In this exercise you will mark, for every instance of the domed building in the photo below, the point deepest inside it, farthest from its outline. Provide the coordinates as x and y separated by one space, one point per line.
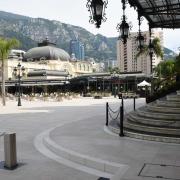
48 62
46 51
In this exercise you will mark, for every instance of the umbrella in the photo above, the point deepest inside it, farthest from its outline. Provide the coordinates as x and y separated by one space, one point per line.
144 83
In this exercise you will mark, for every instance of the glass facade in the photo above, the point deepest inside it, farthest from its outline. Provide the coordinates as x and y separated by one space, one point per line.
77 48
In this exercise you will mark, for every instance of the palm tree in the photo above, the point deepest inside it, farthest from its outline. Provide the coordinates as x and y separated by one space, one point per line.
5 46
156 46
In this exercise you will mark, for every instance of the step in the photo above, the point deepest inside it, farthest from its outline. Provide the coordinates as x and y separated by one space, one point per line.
142 136
157 138
156 115
173 98
178 92
157 108
153 122
151 129
168 103
85 160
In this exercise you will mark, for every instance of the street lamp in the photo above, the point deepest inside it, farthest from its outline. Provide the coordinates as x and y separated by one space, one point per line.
97 11
18 72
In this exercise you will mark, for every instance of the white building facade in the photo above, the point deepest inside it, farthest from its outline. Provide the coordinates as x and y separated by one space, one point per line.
126 54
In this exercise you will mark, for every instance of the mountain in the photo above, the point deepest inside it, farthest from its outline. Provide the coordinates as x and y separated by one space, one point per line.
30 31
169 54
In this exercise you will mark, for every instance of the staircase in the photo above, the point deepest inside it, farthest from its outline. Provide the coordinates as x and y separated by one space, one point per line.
157 121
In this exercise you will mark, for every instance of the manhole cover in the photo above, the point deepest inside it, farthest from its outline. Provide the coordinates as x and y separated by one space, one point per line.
160 171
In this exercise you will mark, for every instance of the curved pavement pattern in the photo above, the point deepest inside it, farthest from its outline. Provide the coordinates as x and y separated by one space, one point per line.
76 160
71 133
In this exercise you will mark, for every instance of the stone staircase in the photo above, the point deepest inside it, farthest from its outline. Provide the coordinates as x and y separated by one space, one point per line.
157 121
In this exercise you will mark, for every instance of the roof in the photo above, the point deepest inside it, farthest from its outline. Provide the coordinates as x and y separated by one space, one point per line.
159 13
46 53
43 72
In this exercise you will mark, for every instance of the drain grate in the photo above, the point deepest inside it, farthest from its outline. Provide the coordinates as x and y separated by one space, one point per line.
160 171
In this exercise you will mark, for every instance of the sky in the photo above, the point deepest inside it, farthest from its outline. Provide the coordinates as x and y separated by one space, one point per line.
75 12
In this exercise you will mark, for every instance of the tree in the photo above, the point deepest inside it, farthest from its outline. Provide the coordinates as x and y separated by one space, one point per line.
177 68
165 69
177 64
156 46
114 70
5 46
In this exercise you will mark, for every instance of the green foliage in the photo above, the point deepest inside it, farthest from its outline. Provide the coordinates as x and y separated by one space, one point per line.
165 69
172 86
142 51
157 49
115 70
6 45
177 65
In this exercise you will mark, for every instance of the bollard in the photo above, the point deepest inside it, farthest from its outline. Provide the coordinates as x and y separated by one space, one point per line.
107 116
10 156
121 133
134 103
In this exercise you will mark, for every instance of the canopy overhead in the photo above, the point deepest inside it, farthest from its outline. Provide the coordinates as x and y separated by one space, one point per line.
159 13
143 83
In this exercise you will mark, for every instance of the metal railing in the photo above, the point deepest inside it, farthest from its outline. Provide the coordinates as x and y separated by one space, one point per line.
113 115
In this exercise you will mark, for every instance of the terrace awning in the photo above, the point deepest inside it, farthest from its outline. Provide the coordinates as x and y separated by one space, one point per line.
159 13
144 83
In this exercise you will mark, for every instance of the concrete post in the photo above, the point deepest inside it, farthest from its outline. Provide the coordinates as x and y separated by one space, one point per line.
10 156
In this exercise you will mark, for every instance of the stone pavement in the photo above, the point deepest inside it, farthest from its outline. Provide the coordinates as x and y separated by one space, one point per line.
68 140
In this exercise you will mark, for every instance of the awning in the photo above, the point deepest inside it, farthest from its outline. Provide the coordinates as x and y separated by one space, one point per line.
159 13
144 83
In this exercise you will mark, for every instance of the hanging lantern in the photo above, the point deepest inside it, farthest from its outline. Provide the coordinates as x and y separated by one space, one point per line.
140 39
97 11
151 48
123 27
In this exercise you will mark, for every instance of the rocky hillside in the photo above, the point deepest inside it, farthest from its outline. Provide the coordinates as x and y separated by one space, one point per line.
32 30
169 54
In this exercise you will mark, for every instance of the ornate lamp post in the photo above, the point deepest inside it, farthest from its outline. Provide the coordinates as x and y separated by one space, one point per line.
123 27
18 71
97 11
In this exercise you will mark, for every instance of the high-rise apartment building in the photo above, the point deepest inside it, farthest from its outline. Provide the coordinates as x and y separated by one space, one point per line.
77 49
126 54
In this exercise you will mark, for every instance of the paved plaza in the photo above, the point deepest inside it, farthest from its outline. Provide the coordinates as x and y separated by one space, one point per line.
68 141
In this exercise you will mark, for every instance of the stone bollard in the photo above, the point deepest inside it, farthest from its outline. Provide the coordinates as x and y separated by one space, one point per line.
10 156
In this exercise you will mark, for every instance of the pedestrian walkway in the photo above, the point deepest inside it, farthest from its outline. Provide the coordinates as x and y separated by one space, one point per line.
87 140
68 140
